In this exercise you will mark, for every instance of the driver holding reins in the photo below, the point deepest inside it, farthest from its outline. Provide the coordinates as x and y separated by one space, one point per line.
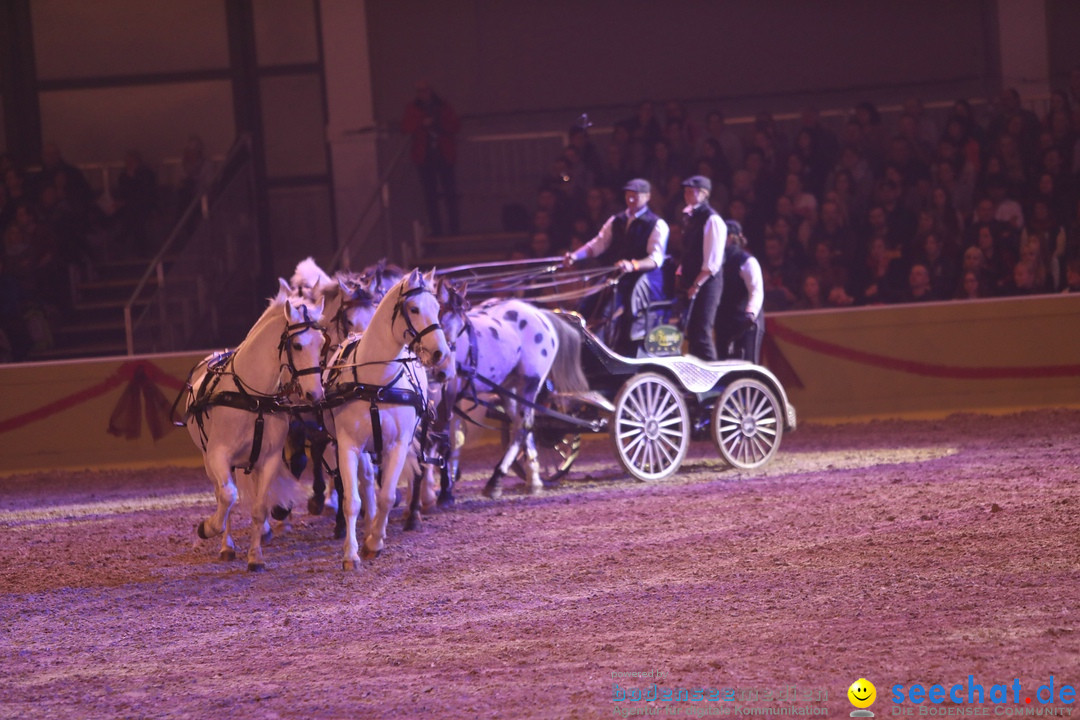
634 241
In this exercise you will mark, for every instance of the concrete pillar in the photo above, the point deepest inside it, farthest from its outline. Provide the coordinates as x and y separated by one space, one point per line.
350 128
1025 57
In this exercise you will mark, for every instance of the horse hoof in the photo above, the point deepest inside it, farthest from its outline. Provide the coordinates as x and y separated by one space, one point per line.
369 554
256 566
413 521
201 531
492 491
536 489
445 499
227 555
397 496
315 506
279 513
267 537
351 564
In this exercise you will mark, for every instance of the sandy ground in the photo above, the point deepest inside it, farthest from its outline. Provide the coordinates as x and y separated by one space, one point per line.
902 552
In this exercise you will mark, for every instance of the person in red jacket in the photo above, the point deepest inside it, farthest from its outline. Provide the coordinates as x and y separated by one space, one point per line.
434 126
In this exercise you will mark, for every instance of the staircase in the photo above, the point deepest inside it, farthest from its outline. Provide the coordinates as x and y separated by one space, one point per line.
95 325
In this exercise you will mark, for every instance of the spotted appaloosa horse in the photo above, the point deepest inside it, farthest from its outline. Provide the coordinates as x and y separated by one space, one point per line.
510 348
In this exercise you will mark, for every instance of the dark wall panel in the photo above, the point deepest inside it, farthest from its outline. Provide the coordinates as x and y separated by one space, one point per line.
495 57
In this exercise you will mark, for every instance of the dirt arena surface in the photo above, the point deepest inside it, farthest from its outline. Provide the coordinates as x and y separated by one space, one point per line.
902 552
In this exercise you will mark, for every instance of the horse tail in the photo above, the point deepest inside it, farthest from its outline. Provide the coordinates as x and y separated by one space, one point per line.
284 491
567 374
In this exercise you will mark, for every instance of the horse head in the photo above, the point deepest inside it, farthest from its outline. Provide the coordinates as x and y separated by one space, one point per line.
454 309
419 308
302 344
381 276
358 304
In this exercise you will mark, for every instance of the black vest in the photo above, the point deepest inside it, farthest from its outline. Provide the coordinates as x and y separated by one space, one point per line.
629 243
735 296
693 251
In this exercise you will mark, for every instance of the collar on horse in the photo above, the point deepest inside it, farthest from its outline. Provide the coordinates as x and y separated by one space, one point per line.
219 365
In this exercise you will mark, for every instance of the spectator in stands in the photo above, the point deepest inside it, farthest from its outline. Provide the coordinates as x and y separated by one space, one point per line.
946 218
136 200
732 147
939 265
1021 281
811 296
780 277
578 137
12 306
635 242
832 230
879 278
1072 276
77 190
14 194
645 132
434 126
197 174
1044 230
995 265
971 286
918 285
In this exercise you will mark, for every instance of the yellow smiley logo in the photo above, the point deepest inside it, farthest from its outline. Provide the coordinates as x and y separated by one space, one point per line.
862 693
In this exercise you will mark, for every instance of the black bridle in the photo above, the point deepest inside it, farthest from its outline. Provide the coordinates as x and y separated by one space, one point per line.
290 333
416 336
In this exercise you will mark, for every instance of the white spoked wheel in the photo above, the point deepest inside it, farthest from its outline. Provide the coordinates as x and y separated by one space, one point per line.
747 424
651 429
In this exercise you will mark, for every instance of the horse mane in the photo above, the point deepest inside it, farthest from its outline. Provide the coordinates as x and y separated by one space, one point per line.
309 279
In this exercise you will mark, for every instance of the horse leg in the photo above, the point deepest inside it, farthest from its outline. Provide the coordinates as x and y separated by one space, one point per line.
393 463
451 469
348 461
368 494
532 463
260 523
339 509
492 489
318 485
413 518
226 494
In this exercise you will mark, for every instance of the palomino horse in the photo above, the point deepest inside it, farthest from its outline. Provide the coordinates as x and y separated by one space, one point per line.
378 396
510 348
236 410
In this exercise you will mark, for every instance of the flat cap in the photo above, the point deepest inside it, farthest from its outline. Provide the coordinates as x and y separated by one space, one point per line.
638 185
699 182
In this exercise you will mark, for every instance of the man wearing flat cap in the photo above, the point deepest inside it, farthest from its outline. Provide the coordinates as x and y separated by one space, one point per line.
634 241
699 275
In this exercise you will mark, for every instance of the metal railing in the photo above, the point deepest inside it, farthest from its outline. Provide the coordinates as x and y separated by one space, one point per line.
204 277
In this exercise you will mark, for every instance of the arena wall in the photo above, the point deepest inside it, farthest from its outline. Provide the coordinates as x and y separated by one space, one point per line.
928 360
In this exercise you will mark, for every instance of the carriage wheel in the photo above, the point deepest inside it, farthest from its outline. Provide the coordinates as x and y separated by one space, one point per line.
651 429
747 424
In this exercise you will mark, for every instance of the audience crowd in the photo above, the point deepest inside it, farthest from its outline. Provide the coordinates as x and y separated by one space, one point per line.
985 205
54 226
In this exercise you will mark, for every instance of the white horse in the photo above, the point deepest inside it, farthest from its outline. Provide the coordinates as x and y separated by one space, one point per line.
351 299
377 395
510 348
236 412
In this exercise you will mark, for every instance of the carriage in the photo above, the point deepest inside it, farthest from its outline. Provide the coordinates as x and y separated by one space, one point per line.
651 405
